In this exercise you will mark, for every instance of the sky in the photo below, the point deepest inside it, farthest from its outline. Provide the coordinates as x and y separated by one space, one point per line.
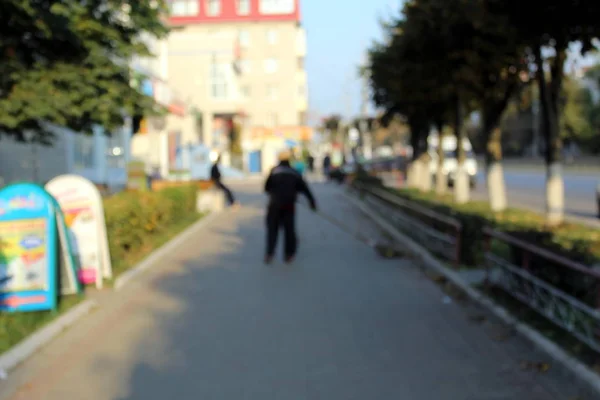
338 35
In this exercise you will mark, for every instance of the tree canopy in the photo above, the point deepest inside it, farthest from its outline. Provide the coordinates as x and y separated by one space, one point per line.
442 56
66 62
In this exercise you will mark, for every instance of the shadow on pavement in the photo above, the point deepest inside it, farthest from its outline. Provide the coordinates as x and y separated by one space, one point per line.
215 323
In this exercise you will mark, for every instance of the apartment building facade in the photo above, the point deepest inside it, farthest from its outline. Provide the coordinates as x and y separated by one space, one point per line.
240 62
152 141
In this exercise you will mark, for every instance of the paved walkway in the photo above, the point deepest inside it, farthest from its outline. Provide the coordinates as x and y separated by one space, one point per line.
212 322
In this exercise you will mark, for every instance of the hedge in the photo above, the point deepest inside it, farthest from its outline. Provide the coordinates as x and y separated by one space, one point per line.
574 241
136 223
133 219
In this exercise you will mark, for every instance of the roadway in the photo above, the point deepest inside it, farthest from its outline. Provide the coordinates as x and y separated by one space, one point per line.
526 189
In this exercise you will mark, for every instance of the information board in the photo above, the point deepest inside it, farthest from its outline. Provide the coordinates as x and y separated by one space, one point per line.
81 204
67 271
28 245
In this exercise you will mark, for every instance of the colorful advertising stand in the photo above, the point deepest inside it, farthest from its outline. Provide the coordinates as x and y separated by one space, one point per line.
30 277
81 204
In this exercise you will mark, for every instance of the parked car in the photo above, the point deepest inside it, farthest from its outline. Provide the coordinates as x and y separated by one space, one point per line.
450 163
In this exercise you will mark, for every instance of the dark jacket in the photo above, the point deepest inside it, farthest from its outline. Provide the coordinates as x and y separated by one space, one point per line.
215 174
283 185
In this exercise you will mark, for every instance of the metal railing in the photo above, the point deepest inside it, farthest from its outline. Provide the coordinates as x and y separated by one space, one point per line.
524 284
446 242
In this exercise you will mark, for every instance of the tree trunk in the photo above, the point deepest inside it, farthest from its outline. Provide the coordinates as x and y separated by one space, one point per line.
413 173
426 182
494 171
549 97
441 180
461 177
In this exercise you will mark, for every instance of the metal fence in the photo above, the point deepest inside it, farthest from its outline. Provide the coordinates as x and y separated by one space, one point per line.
524 284
443 239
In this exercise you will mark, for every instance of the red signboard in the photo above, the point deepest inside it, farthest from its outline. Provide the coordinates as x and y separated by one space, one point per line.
228 12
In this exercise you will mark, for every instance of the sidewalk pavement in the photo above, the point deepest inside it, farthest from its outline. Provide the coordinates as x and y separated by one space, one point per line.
212 322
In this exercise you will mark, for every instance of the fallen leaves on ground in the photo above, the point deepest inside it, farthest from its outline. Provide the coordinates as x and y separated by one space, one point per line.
477 318
503 335
438 278
541 367
455 292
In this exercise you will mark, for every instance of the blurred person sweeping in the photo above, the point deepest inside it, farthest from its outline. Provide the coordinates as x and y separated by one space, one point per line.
283 185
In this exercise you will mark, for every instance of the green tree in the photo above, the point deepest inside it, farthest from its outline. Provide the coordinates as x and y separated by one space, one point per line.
67 63
425 72
575 121
553 24
502 72
399 84
331 125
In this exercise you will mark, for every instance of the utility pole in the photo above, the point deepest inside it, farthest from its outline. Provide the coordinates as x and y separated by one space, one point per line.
366 141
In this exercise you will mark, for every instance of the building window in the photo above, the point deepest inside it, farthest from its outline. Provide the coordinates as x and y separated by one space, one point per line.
271 66
243 7
272 36
245 92
219 85
274 119
302 91
214 7
244 38
270 7
301 63
184 8
272 93
245 66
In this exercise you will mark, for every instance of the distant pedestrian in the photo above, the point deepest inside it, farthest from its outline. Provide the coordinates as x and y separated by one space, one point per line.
327 165
311 163
215 176
283 186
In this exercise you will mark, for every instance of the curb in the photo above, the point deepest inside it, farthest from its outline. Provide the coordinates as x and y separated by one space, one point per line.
166 248
28 346
577 368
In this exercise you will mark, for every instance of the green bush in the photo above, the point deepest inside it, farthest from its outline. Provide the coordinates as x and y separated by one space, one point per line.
132 218
573 241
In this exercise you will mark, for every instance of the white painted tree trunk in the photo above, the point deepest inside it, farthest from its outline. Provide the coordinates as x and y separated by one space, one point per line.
417 174
555 195
426 183
461 185
441 181
496 186
411 180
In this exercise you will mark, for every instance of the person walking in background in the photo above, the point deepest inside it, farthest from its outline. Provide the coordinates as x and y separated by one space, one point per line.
283 185
310 160
327 165
215 176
